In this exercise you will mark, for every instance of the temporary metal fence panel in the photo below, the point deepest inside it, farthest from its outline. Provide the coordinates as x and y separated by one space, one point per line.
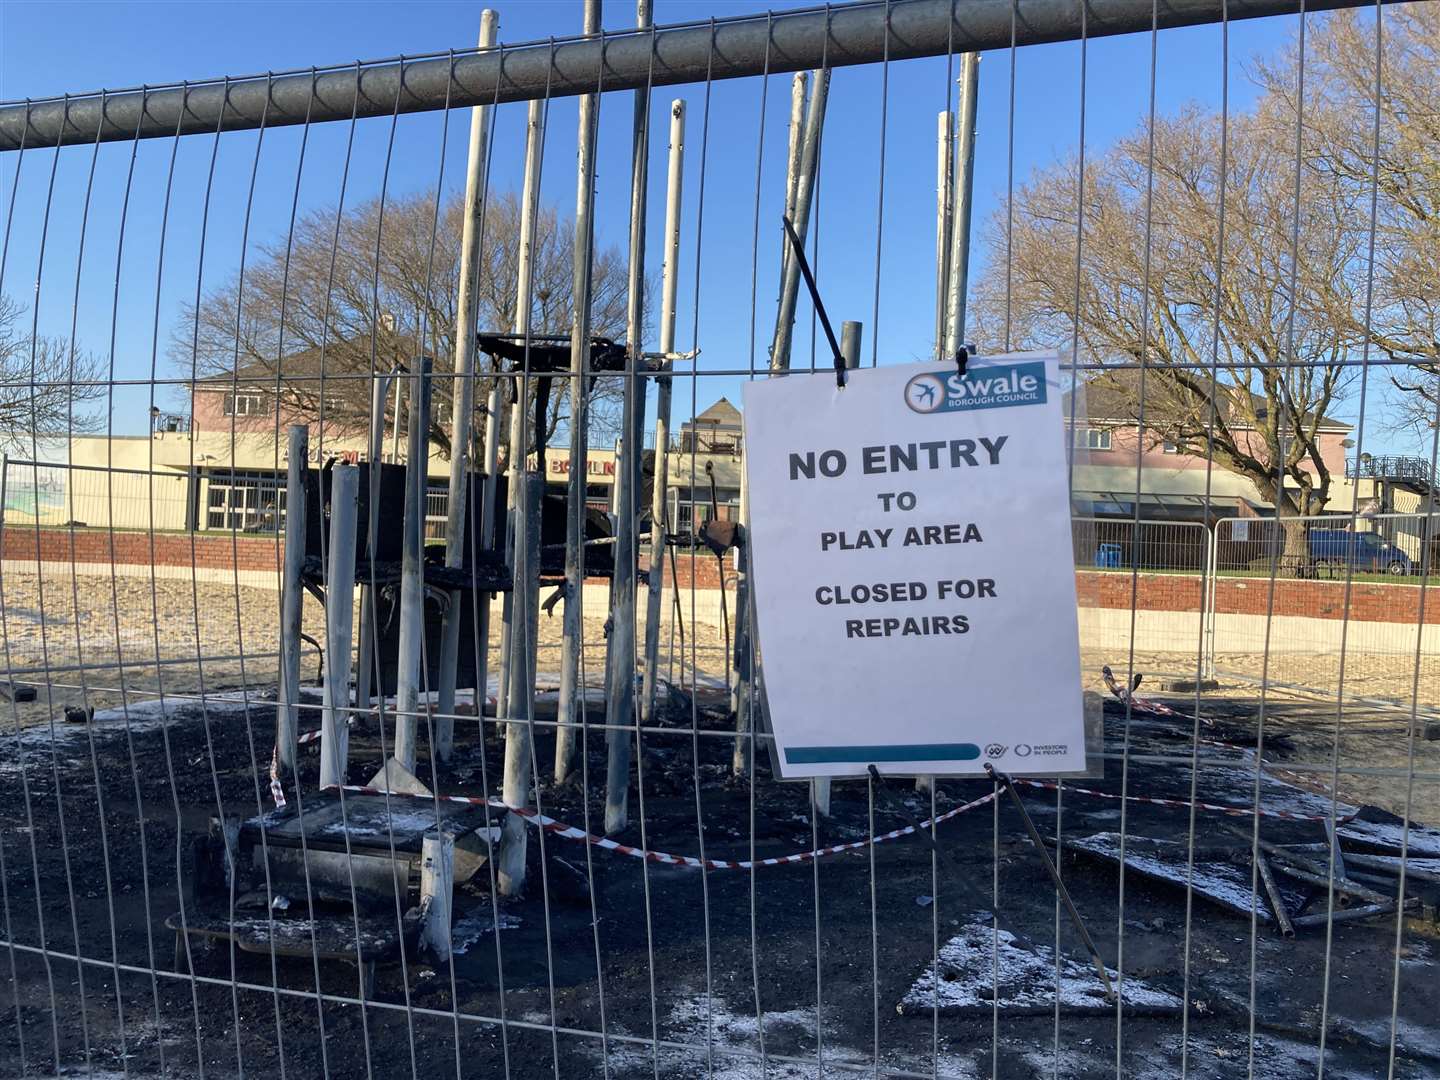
1142 588
1325 602
561 850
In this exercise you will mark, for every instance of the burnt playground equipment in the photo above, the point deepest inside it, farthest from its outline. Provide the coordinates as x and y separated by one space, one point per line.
363 878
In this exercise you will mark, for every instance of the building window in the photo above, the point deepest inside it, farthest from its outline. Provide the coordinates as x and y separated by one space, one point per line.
692 516
437 510
1092 438
1168 447
246 403
245 501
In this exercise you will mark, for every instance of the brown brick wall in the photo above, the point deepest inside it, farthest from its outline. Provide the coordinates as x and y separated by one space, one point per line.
1369 601
219 551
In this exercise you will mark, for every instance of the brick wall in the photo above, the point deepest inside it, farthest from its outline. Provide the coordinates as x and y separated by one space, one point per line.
1369 601
220 551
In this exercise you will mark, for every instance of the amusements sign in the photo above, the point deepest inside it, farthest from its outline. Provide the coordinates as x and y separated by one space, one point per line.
913 571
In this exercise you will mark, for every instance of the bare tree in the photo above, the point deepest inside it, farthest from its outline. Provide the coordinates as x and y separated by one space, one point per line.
44 385
369 293
1380 136
1246 383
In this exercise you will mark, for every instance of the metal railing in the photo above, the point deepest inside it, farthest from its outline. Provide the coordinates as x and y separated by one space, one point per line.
1390 467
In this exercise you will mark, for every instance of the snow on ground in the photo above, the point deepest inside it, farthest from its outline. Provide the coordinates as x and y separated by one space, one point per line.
724 1044
137 717
476 924
1220 882
1026 978
1423 842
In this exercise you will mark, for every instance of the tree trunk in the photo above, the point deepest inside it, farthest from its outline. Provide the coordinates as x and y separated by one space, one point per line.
1295 557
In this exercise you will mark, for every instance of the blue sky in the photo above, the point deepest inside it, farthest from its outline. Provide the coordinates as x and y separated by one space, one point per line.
55 47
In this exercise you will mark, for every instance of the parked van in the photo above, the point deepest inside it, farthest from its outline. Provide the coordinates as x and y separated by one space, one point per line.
1335 549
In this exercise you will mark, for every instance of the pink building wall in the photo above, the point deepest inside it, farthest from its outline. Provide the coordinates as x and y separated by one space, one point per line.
1127 447
208 417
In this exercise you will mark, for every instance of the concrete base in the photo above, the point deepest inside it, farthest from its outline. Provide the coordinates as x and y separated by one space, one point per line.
1186 686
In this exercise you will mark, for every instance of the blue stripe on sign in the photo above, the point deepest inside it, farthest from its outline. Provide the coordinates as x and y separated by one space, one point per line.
820 755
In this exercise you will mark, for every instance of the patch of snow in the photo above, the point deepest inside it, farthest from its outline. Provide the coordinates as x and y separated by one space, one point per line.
1223 883
1423 842
402 822
723 1043
966 978
475 925
146 714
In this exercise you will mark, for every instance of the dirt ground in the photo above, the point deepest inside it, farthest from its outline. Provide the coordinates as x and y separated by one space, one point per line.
712 951
616 966
101 637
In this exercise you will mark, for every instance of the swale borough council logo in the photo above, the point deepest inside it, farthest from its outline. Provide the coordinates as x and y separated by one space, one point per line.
925 393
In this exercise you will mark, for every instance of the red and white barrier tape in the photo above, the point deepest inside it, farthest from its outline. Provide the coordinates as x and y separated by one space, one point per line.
570 832
1236 811
277 791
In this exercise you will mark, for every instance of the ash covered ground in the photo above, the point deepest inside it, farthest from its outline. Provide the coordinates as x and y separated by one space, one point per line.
805 970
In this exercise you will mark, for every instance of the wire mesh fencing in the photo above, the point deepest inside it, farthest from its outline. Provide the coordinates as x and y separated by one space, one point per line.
1315 602
381 688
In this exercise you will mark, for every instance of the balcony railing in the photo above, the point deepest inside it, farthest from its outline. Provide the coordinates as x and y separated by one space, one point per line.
1390 467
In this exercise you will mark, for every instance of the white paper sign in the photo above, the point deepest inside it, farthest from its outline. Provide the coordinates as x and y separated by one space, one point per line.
913 571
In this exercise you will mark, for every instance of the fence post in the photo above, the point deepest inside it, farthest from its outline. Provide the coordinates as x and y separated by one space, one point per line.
339 625
804 186
620 654
800 219
850 334
463 406
437 886
660 480
792 160
1207 651
412 586
379 391
572 639
517 673
518 728
292 598
963 179
517 466
944 202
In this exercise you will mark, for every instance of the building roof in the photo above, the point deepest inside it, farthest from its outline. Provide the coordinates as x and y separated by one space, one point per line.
1111 396
721 414
344 356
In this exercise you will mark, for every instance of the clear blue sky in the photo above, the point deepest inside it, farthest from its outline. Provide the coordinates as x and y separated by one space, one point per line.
54 47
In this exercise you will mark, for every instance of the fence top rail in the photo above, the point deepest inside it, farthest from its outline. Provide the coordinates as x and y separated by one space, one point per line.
118 470
1337 520
840 35
1121 522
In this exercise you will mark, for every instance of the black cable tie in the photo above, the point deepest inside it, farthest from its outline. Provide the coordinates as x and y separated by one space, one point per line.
962 359
799 250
